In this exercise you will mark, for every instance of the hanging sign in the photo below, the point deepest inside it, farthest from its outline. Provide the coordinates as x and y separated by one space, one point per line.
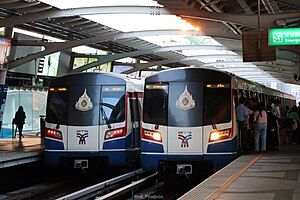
284 36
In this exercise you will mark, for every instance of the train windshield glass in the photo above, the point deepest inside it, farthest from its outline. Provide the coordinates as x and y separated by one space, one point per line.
84 105
156 104
185 104
217 103
57 106
112 105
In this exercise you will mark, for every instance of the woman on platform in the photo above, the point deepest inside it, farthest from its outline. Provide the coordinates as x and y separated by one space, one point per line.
20 120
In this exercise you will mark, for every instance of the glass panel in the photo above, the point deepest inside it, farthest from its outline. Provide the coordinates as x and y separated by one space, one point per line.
217 105
185 104
84 105
112 104
39 107
156 104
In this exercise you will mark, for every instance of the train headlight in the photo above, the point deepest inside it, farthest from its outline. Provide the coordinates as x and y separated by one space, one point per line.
151 135
217 135
115 133
52 133
157 136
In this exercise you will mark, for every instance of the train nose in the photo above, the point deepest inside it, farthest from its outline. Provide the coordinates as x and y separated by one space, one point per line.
184 169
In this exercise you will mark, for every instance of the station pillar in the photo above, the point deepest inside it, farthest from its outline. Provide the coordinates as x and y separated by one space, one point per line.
8 33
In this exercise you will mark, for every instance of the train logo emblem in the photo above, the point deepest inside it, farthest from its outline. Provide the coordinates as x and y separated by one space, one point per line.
185 101
184 136
84 103
82 134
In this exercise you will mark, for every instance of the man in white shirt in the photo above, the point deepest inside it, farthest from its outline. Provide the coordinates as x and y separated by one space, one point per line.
242 115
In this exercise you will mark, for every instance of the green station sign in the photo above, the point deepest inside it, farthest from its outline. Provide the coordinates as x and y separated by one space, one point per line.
284 36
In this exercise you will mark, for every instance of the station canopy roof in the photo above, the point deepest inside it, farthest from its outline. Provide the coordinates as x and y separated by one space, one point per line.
167 33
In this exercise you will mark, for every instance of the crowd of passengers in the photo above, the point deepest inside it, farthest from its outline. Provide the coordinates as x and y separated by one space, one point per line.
259 126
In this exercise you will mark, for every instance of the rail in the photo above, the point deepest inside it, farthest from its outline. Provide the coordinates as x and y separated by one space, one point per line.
126 189
92 190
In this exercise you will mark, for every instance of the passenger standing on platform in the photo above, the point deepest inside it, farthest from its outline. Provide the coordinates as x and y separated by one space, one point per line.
20 120
243 113
2 112
293 117
271 129
260 128
276 112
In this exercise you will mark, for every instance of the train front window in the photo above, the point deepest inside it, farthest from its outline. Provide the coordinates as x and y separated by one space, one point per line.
217 103
112 105
84 105
185 104
156 104
56 111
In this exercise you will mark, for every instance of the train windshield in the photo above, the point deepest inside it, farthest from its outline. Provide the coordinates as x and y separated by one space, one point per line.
57 105
84 105
217 103
112 105
185 104
156 104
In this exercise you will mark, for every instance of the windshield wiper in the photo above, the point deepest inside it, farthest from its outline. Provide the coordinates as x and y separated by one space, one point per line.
105 116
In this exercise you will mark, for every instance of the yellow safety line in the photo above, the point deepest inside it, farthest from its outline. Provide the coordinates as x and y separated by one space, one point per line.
221 189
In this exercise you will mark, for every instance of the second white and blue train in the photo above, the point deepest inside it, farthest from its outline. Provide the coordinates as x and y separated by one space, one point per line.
189 118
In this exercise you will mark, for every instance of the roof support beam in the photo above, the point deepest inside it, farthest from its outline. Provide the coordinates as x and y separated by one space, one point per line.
108 58
245 6
242 19
151 10
231 26
7 1
58 46
141 66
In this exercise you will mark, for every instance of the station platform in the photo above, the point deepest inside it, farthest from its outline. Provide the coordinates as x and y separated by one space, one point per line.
16 152
271 175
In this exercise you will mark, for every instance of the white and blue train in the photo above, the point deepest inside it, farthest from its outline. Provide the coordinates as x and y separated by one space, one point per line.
93 118
189 118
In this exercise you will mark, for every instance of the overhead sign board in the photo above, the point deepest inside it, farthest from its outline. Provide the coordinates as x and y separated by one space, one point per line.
284 36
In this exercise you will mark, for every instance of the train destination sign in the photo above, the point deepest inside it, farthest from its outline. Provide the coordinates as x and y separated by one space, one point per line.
284 36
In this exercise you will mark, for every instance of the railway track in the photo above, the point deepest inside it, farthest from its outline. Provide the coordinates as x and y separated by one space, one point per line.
112 188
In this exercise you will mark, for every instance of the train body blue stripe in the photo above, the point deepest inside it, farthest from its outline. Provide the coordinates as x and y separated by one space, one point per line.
53 144
150 161
151 147
227 146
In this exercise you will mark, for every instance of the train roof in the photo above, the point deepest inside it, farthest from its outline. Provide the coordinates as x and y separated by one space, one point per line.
179 74
99 78
256 87
183 73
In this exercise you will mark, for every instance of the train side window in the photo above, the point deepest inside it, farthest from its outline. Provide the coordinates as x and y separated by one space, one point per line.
217 105
156 104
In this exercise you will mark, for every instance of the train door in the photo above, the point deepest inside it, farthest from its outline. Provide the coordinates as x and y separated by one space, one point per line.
112 108
135 114
185 116
83 118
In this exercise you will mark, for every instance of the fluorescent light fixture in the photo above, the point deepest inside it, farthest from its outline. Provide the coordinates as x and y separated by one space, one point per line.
66 4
